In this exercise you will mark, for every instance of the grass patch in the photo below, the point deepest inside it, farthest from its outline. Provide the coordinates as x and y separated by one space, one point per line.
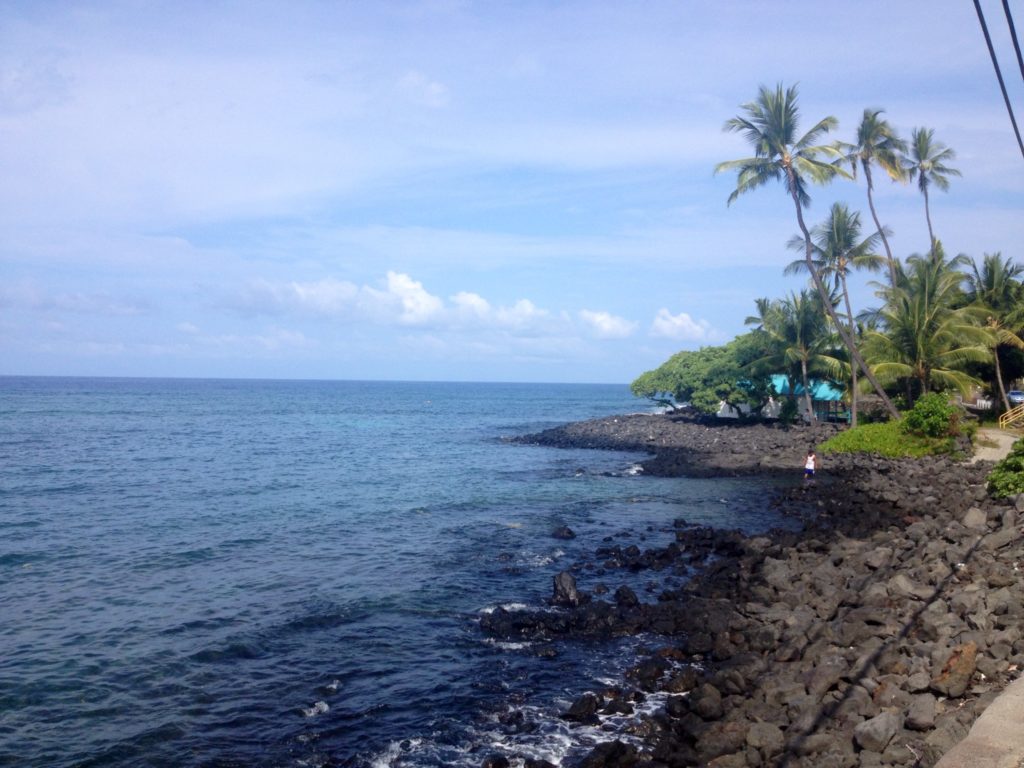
888 439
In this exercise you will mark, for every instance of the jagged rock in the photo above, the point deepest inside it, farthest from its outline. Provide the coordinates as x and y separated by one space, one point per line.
706 701
975 519
721 738
565 592
611 754
921 713
626 597
766 737
876 733
955 675
584 709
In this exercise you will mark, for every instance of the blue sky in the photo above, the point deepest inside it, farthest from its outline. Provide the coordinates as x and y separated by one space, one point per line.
443 190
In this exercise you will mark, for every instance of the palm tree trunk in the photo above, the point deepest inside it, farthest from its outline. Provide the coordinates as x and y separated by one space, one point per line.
807 392
853 368
928 216
826 301
878 225
999 378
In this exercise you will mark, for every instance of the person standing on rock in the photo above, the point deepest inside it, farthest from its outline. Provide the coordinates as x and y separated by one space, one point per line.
810 465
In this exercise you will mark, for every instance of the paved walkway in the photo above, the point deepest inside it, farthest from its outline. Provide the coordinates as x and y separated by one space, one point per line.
1000 442
996 740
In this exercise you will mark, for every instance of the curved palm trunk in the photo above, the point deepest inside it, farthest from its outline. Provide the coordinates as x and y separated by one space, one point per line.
853 368
816 278
807 391
928 217
878 225
999 378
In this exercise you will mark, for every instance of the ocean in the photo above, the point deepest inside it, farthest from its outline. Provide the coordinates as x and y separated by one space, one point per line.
291 573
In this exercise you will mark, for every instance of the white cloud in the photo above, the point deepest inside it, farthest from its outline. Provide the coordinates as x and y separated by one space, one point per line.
322 297
521 315
418 306
607 326
681 326
471 305
328 296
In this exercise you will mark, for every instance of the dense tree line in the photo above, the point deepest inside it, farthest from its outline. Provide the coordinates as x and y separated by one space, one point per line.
942 324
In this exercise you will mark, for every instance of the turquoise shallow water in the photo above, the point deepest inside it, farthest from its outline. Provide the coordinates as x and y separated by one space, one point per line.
258 573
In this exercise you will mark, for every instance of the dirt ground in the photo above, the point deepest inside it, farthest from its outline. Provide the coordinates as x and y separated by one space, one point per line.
993 444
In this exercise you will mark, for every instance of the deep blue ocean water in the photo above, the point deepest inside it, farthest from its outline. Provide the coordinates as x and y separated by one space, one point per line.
286 573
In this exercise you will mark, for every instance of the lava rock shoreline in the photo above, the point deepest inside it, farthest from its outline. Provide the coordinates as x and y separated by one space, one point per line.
684 445
875 636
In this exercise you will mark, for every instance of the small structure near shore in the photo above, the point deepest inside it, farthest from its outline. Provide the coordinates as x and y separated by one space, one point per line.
826 400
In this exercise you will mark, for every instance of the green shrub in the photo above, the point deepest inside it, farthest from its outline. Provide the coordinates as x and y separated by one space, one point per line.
933 416
885 439
1007 477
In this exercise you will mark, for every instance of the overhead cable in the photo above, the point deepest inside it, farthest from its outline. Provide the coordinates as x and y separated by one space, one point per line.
999 75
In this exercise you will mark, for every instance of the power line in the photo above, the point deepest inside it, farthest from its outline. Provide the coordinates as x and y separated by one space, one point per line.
1013 36
999 74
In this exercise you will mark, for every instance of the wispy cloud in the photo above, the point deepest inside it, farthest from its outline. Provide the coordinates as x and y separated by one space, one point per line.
680 327
421 90
606 325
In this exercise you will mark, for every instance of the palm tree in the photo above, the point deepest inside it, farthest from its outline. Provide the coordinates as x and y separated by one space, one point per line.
770 125
799 340
877 144
995 287
927 164
924 333
838 249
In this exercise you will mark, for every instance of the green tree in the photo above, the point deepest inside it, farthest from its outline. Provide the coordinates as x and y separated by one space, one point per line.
994 287
924 334
708 377
838 249
770 125
927 163
877 144
799 341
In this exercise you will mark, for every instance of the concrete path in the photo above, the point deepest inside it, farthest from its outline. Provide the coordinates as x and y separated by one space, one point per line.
996 740
1001 439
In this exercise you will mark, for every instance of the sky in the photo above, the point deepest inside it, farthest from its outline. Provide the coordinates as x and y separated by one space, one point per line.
446 190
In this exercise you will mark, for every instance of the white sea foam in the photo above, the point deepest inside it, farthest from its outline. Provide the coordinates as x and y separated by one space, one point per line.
542 560
506 606
317 709
505 645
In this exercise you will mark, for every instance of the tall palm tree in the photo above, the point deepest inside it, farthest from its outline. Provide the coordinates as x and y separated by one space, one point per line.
800 342
769 123
924 333
838 249
927 164
877 144
995 287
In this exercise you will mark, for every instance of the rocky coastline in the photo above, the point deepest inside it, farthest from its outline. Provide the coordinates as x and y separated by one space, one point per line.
875 636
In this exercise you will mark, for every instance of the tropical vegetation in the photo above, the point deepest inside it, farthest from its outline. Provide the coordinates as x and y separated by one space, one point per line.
1007 476
942 325
932 426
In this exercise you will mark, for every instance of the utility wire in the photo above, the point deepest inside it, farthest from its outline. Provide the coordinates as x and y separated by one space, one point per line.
999 74
1013 35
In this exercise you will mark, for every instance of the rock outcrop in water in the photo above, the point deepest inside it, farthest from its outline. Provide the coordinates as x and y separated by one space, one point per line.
874 637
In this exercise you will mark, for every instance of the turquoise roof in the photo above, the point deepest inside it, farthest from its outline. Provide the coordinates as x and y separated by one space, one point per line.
820 390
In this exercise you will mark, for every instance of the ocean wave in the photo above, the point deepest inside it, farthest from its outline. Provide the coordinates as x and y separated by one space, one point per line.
318 708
